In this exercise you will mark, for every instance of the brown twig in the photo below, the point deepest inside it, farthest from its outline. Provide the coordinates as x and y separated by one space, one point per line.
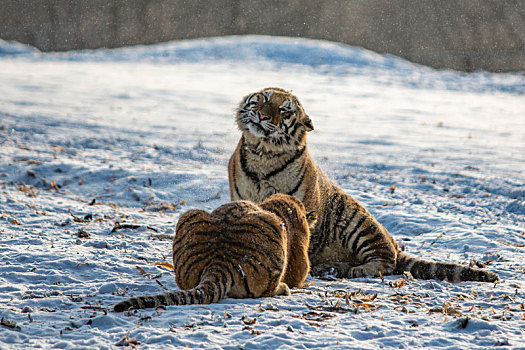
132 227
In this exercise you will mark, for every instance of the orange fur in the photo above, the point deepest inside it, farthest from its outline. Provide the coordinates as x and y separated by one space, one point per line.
240 250
272 157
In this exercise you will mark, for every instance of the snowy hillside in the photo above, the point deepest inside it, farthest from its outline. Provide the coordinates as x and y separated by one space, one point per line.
136 136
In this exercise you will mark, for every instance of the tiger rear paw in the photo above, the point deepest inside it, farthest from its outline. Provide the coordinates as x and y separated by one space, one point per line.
331 271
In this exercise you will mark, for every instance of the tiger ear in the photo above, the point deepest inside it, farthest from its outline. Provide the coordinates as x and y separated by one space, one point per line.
307 122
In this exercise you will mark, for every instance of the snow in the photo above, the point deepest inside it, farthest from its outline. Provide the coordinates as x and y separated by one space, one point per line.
139 135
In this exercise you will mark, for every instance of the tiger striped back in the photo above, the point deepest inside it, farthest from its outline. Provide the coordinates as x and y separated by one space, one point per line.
240 250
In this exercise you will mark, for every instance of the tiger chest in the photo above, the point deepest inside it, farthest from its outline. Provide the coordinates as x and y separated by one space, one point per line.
257 185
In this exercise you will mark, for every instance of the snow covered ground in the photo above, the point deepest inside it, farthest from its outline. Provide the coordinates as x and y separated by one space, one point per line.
136 136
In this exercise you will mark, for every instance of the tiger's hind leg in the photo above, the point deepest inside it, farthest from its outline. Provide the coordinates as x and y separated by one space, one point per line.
371 269
341 269
336 269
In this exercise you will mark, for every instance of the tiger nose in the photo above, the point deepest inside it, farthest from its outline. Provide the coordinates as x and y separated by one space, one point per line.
264 117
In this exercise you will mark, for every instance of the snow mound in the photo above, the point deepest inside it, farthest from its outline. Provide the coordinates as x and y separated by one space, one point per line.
267 52
12 48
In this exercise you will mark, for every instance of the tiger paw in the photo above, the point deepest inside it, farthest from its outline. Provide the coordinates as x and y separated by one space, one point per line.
331 271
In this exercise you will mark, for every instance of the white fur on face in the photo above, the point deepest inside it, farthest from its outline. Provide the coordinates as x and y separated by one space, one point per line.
266 95
288 106
255 130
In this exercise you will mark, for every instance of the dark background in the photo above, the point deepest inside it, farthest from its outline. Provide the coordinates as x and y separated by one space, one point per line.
465 35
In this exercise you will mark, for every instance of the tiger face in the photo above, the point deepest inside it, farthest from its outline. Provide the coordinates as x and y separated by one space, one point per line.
275 116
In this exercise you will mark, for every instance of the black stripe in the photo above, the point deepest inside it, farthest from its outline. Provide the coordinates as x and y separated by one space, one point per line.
182 234
300 182
173 298
234 180
258 249
244 165
240 256
369 257
471 274
348 221
354 230
217 284
252 225
256 178
420 268
296 156
295 128
180 263
249 98
210 292
223 282
218 269
181 224
361 234
324 228
217 234
341 206
274 229
217 257
280 208
370 229
181 298
272 279
122 306
200 295
286 127
329 218
243 232
228 269
381 251
232 255
243 276
192 298
318 237
188 266
249 262
292 123
162 299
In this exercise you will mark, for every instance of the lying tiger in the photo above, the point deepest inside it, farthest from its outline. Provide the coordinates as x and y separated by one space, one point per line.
240 250
272 156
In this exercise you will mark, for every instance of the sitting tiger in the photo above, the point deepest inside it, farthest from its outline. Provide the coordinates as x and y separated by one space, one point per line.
240 250
272 156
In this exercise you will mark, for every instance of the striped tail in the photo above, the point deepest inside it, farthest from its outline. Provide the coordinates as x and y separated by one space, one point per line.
214 286
423 269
